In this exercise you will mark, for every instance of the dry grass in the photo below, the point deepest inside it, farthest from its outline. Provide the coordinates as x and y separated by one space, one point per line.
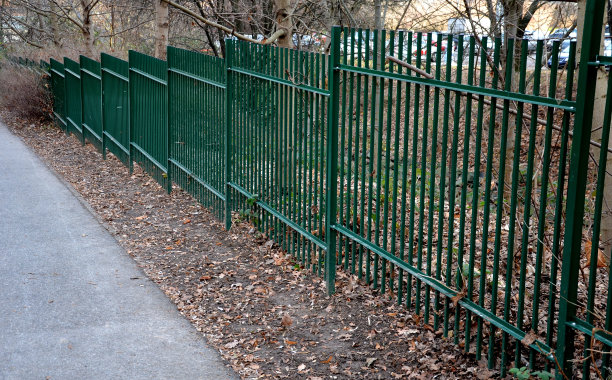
25 92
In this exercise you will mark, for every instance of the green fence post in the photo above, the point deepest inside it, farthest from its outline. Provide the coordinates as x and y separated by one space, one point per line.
332 160
168 144
131 114
579 157
229 49
103 109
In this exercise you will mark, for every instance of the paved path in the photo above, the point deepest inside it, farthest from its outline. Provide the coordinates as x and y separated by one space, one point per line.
73 304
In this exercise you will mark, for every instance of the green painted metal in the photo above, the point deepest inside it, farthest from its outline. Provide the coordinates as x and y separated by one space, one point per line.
578 178
148 97
196 122
115 107
432 212
446 187
91 90
72 98
58 89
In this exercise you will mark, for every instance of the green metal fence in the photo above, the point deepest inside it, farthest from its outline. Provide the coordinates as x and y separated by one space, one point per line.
115 107
455 175
58 88
196 122
149 115
72 98
91 100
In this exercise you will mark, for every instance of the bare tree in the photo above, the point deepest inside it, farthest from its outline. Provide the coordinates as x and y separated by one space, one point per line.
161 28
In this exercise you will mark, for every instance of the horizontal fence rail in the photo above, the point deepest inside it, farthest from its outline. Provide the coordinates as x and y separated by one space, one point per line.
440 170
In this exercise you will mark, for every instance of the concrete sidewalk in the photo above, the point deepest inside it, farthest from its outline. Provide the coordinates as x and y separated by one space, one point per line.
73 304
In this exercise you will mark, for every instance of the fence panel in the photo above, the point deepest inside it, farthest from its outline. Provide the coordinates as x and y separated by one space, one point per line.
149 115
439 200
279 107
72 101
116 107
91 88
58 89
196 122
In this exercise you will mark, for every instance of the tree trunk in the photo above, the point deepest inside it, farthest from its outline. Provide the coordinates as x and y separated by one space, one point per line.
161 29
598 114
513 10
284 20
379 23
86 30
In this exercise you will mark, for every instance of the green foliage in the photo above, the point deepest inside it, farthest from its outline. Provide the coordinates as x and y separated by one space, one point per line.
524 373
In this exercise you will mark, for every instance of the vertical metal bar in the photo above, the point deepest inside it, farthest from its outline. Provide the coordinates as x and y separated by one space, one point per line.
553 291
351 155
500 208
364 141
487 207
229 50
514 198
450 249
442 189
378 121
527 197
168 130
587 81
475 200
433 165
413 172
463 201
404 182
387 201
332 160
396 158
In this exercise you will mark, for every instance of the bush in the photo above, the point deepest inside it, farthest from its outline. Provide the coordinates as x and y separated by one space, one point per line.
25 93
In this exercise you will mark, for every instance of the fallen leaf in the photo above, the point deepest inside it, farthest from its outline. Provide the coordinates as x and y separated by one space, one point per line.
328 360
286 321
301 367
370 361
602 260
529 338
231 344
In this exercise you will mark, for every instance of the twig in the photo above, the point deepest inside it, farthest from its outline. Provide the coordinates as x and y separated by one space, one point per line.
275 36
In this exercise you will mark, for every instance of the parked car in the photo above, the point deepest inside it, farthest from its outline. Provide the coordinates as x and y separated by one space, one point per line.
560 34
532 41
415 50
564 52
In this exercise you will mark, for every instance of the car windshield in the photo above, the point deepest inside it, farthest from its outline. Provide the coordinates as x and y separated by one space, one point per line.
558 33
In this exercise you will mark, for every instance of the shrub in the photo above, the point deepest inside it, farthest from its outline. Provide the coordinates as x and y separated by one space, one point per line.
25 92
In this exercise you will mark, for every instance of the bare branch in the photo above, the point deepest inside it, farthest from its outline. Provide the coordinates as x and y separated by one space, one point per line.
227 30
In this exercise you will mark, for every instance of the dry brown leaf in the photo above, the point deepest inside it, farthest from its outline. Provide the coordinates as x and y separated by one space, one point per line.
328 360
458 297
286 321
529 338
602 260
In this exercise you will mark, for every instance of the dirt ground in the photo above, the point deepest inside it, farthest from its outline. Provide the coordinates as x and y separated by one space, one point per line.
267 318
